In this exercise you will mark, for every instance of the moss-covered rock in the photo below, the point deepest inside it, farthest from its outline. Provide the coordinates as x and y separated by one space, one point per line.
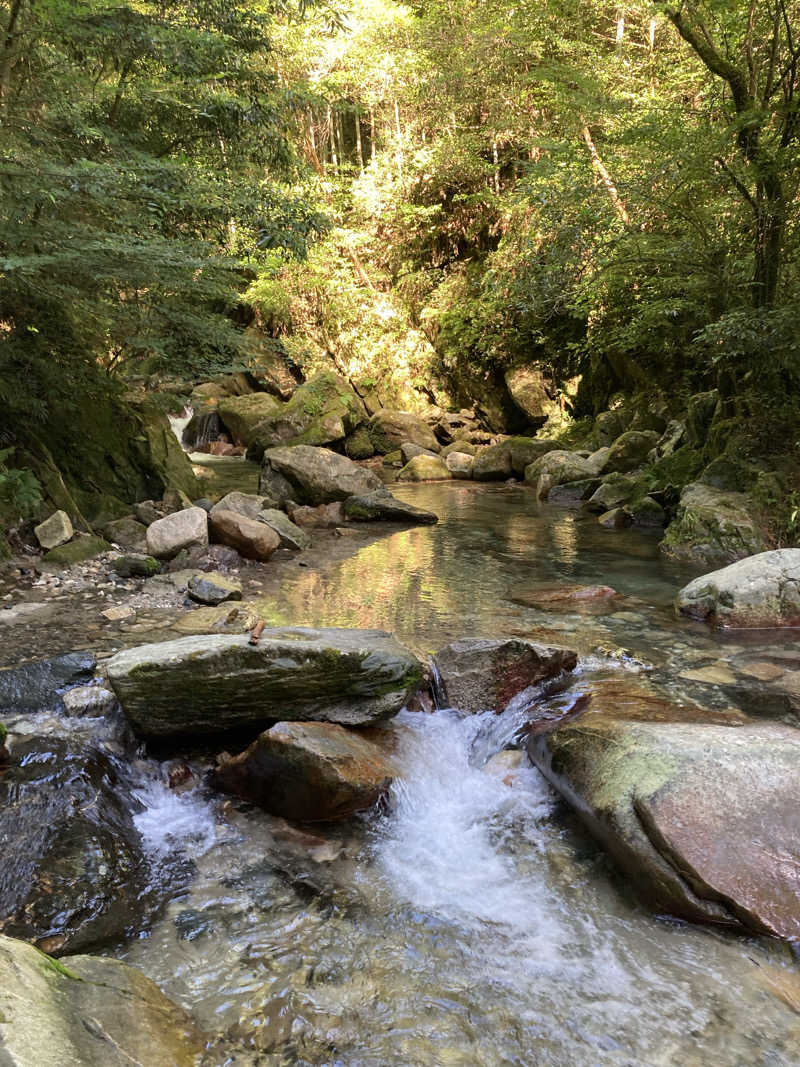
630 450
82 548
205 685
713 526
88 1010
323 411
389 429
358 444
241 414
424 468
530 391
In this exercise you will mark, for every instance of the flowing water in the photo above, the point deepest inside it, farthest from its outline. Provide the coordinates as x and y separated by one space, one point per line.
471 922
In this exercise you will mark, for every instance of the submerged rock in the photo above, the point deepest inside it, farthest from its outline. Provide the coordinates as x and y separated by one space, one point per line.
713 525
36 686
207 684
317 475
479 674
583 599
93 1011
73 873
183 529
383 506
762 590
309 771
704 817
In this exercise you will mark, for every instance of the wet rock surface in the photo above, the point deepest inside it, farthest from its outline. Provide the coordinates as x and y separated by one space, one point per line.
39 685
204 685
92 1011
381 505
760 591
486 673
310 772
700 810
74 874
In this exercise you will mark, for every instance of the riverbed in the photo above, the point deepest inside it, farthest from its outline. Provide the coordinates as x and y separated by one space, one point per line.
470 921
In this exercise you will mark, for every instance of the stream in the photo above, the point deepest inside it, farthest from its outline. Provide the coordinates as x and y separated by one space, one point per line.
472 921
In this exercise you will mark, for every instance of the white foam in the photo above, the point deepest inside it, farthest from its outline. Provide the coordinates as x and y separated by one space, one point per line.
174 821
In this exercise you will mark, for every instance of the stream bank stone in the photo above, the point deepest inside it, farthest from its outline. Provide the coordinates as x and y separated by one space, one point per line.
183 529
703 816
384 506
479 674
250 538
55 531
290 534
760 591
317 475
214 588
309 771
714 526
207 684
87 1010
424 467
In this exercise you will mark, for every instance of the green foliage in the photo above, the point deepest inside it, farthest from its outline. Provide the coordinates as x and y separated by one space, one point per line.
20 490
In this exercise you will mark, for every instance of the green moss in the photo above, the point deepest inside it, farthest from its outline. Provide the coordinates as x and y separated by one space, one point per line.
677 470
57 966
77 551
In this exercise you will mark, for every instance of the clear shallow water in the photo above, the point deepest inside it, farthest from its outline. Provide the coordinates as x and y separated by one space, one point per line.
472 922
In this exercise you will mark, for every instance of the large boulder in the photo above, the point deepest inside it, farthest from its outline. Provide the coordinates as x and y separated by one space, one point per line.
87 1010
460 464
382 506
73 873
477 674
508 458
322 411
241 414
389 430
317 475
250 538
207 684
557 468
309 771
530 391
759 591
183 529
703 816
424 468
629 451
713 526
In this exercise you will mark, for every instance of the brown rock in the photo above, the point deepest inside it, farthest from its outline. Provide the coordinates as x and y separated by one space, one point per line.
325 515
251 539
582 599
309 771
482 673
702 811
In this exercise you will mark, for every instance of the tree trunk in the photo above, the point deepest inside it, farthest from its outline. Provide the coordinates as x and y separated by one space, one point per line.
613 193
359 148
770 216
7 53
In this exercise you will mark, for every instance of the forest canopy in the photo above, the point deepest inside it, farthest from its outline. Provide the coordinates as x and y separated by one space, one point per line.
423 194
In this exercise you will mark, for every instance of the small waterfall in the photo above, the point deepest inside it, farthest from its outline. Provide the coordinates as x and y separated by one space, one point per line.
203 428
438 691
